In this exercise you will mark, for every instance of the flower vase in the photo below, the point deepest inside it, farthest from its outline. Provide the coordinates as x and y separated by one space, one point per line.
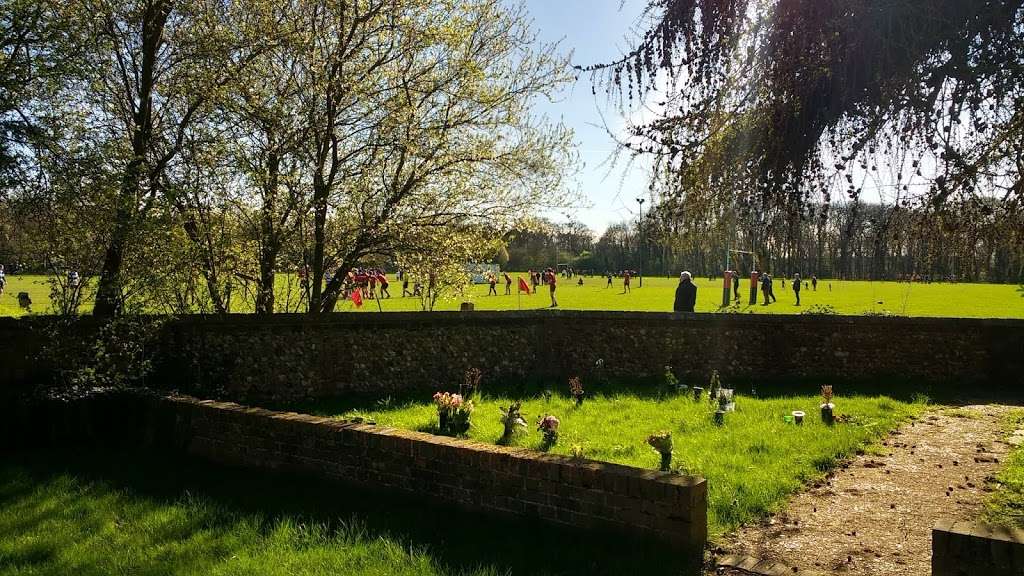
666 462
697 391
826 414
579 399
719 417
443 421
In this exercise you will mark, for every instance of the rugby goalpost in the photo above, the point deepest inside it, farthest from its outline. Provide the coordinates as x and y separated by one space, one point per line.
727 280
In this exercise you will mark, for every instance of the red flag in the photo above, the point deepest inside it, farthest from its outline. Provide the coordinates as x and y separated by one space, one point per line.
357 298
523 286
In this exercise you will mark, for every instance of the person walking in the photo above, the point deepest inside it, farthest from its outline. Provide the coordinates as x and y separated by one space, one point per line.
492 282
382 280
686 294
771 288
796 287
765 289
552 279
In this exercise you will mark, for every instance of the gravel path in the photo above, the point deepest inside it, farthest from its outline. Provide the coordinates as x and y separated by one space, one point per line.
874 516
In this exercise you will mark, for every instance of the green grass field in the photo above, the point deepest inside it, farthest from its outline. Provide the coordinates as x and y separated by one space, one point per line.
90 514
1005 506
752 464
854 298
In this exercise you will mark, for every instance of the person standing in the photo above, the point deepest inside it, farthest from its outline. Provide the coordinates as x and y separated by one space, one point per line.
609 284
552 279
382 279
625 282
814 282
686 294
405 286
736 284
492 282
771 288
765 288
3 280
508 284
796 287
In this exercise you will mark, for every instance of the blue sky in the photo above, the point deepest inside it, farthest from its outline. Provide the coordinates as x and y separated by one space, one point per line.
593 31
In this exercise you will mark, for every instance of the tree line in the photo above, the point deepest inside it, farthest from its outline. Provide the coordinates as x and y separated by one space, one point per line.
184 152
853 240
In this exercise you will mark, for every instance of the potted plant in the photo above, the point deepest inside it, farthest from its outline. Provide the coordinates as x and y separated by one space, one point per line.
512 421
670 384
662 443
470 386
548 425
715 386
576 389
827 407
726 400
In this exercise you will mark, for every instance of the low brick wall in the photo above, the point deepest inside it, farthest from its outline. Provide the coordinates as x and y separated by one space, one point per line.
578 493
973 549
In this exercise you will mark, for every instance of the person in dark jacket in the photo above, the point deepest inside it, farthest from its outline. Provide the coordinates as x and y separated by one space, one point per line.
686 294
796 287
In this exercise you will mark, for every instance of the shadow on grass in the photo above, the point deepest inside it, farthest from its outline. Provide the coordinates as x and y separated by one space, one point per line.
458 542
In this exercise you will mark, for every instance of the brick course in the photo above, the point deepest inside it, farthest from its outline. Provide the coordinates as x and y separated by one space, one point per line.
975 549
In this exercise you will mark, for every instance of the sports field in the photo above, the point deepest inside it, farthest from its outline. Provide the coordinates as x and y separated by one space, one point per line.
844 297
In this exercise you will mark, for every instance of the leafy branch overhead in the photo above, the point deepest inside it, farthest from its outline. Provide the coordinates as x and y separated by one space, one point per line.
771 102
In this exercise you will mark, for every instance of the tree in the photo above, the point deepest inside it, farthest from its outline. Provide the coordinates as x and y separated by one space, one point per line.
456 148
149 69
768 104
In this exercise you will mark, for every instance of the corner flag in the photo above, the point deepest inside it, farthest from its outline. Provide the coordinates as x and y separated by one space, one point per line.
357 298
523 286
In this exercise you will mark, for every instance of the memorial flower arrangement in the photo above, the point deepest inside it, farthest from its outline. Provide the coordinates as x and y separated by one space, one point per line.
548 425
453 413
576 389
662 443
512 421
471 382
827 407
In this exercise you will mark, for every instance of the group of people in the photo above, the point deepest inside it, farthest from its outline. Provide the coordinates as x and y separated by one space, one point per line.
767 285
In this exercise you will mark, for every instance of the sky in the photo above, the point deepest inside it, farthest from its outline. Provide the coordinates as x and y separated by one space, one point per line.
592 31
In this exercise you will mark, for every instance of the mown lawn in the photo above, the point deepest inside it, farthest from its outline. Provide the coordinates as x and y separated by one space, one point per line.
855 298
1005 506
752 464
131 514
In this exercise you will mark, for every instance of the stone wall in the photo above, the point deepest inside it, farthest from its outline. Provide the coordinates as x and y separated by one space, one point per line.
288 357
972 549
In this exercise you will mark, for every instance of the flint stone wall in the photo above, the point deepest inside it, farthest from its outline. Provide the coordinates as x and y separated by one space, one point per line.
291 357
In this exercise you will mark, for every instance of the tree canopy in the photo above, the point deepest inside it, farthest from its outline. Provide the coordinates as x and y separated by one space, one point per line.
785 102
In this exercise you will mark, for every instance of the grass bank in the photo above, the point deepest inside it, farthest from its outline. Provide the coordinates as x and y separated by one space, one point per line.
1005 505
752 463
100 514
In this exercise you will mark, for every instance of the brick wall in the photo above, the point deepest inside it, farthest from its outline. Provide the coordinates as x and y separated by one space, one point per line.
287 357
973 549
577 493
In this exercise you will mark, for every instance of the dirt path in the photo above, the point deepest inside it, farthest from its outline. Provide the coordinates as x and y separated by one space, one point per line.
874 517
